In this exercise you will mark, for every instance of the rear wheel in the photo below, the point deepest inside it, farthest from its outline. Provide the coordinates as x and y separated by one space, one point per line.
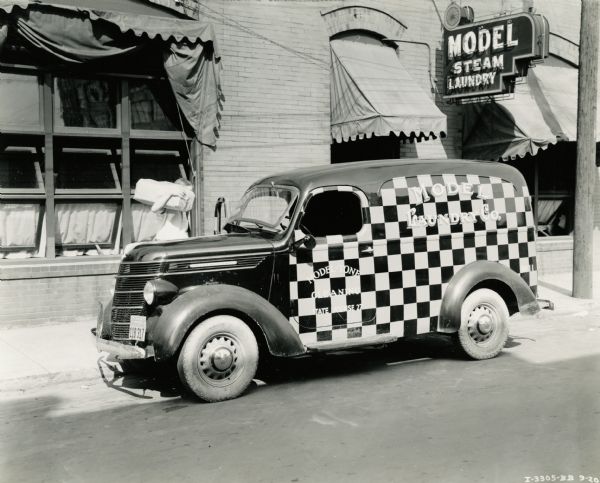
218 359
484 325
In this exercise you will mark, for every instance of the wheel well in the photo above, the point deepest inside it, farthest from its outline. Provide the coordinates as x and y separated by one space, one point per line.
502 289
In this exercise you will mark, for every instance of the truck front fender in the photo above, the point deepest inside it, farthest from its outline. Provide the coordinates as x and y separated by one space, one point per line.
171 323
487 274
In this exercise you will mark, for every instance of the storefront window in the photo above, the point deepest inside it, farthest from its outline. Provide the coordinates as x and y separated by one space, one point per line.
550 177
21 196
150 102
85 103
160 165
19 102
81 169
86 227
21 169
20 225
90 166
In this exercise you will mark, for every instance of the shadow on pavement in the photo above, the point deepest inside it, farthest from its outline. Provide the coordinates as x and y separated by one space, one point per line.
356 361
147 376
383 421
150 376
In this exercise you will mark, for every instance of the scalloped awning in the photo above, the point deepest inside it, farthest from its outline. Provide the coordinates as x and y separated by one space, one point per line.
78 35
373 94
542 111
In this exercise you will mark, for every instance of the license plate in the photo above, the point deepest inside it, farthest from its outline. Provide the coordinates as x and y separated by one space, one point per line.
137 327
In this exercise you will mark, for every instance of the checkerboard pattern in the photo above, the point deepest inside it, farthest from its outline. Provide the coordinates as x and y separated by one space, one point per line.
390 277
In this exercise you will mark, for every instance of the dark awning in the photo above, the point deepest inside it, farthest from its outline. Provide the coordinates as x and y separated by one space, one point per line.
542 111
76 35
373 94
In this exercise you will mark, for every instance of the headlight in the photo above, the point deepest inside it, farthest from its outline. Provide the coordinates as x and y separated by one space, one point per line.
159 291
149 289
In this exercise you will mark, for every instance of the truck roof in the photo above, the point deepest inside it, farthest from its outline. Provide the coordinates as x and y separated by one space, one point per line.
370 175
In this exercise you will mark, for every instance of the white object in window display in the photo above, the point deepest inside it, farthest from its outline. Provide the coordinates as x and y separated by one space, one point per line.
165 195
173 200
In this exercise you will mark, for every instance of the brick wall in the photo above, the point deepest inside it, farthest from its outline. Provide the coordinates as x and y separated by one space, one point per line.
41 292
276 82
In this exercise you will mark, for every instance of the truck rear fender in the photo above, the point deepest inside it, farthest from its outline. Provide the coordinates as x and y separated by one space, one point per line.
174 321
484 274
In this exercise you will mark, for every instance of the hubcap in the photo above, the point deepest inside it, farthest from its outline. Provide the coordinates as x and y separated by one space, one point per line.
222 359
482 323
219 358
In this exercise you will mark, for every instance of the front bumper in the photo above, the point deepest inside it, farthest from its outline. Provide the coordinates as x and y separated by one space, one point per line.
121 351
118 349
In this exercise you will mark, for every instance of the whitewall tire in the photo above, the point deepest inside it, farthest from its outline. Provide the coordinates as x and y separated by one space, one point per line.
219 358
483 328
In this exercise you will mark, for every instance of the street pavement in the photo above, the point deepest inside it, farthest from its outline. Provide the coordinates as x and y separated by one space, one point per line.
413 411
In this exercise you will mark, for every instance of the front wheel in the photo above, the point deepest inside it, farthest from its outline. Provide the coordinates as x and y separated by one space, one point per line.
218 359
483 326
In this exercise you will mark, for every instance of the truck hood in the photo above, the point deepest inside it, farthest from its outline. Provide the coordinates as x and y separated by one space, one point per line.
228 244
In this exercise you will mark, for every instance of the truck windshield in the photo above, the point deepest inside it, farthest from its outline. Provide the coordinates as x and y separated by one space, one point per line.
267 208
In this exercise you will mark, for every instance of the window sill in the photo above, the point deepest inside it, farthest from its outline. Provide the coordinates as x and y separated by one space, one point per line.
554 243
34 268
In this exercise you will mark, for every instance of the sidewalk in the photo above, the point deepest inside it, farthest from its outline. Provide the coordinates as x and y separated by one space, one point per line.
38 356
557 287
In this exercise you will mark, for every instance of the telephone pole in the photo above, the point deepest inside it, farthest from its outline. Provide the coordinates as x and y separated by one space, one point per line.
586 151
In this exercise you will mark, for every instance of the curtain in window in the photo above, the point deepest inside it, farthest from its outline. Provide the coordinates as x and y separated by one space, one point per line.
75 35
146 223
19 224
85 223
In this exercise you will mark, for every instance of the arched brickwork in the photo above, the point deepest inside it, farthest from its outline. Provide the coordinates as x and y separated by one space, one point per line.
362 18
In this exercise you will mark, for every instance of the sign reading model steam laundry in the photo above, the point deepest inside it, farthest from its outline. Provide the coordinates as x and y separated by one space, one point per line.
484 58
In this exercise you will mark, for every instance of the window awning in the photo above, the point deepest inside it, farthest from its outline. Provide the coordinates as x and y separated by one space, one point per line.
78 35
542 111
373 94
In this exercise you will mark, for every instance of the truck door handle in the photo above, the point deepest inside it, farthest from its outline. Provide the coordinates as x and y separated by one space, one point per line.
367 250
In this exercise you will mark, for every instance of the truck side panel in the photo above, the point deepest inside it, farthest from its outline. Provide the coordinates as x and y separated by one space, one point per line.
424 229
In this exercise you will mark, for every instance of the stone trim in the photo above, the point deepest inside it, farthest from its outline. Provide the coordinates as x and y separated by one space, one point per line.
58 268
356 17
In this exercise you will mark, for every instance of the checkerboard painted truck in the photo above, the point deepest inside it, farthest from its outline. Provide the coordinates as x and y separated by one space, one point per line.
327 258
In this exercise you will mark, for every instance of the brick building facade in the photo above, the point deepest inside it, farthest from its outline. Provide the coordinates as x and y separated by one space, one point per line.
276 116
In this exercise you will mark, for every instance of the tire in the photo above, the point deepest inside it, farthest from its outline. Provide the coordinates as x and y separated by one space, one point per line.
484 325
219 358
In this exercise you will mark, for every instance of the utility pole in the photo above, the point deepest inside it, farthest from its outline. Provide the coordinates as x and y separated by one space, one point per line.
586 151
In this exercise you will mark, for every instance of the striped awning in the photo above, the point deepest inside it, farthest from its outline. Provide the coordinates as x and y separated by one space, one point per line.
72 34
542 111
373 94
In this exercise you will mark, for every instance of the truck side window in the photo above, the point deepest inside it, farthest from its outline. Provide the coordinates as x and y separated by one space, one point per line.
333 213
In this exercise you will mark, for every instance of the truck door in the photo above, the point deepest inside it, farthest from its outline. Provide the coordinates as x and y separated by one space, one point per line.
332 285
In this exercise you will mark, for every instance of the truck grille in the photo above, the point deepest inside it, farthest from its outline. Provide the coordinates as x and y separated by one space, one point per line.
128 299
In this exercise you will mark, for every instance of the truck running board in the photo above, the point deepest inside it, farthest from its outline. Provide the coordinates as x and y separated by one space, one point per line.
349 343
